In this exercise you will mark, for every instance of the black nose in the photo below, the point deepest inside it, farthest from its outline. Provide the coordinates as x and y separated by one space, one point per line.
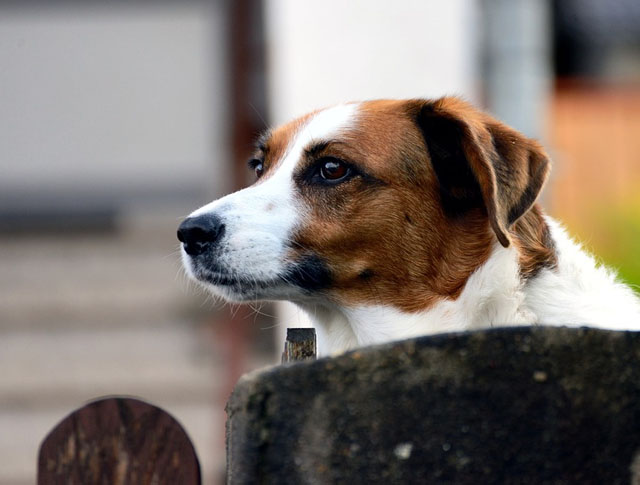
200 233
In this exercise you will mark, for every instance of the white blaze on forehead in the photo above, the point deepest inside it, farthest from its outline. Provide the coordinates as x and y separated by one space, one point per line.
323 125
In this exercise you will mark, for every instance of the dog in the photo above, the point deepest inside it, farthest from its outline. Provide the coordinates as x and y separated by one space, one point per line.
390 219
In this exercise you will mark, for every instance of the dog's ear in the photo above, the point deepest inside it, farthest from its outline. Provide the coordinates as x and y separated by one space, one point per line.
480 162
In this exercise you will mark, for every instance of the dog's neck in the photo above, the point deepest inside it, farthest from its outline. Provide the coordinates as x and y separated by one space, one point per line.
492 296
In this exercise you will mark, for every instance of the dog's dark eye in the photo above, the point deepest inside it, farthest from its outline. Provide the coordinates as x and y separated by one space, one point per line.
257 166
334 170
259 169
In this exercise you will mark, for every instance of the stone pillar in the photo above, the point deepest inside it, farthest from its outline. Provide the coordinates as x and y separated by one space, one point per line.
523 405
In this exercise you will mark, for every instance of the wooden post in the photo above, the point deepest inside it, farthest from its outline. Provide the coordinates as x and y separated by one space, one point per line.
299 345
121 441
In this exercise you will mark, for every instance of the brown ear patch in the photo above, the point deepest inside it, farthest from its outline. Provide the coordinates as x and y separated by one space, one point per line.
477 158
521 167
459 187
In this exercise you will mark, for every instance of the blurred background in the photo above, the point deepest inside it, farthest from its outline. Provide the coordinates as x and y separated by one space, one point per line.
119 118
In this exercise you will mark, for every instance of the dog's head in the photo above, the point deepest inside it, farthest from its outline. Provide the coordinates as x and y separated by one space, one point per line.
381 202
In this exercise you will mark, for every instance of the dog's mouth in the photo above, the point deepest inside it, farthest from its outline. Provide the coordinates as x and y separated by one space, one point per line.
217 278
303 278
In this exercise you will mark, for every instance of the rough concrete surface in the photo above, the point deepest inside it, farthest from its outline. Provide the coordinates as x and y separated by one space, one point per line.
517 405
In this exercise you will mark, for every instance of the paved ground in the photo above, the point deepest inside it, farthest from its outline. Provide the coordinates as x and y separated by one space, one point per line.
84 316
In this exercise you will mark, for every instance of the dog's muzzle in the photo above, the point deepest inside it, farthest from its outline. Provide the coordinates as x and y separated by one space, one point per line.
238 272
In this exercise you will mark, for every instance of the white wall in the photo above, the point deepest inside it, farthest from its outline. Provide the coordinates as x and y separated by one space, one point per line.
325 52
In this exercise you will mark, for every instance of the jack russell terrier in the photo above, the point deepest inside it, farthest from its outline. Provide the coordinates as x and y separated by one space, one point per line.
391 219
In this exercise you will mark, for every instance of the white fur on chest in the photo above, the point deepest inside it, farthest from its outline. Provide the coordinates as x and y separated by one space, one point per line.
576 293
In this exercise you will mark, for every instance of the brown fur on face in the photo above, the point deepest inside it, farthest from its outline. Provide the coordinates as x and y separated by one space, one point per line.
439 183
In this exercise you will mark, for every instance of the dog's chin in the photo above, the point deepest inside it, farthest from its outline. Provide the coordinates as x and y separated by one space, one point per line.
236 290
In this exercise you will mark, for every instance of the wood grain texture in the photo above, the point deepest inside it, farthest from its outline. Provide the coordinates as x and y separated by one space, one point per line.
299 345
118 441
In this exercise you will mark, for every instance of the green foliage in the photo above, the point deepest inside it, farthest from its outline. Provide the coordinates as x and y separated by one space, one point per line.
617 242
